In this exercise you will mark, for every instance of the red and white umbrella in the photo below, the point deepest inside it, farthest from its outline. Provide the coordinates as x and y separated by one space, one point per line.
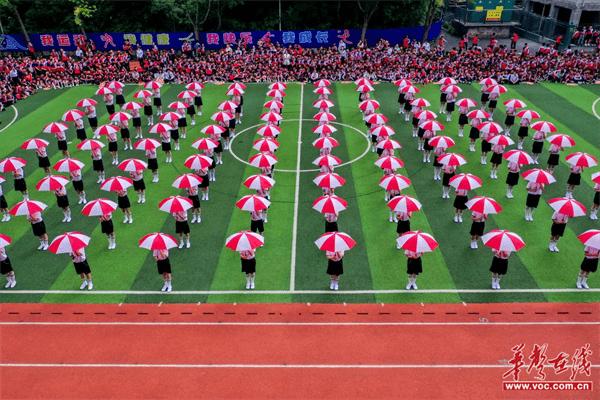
365 88
69 242
383 131
490 128
376 119
324 117
259 182
330 204
244 241
501 140
335 242
68 165
273 105
132 165
55 127
253 202
174 204
451 89
234 91
11 164
153 85
73 115
271 116
484 205
389 144
465 181
90 144
221 116
561 140
514 103
142 94
198 162
329 180
265 144
187 181
503 240
480 114
27 207
466 102
237 85
322 83
120 116
34 144
417 242
326 142
452 159
323 91
114 85
262 160
497 89
5 240
403 82
425 115
328 160
596 177
389 162
187 94
213 130
488 82
104 130
98 208
116 184
51 182
394 182
195 86
538 175
2 180
568 207
369 105
543 126
228 105
404 204
432 126
276 94
205 144
157 241
278 86
420 102
104 91
177 105
590 238
518 157
160 127
446 81
442 141
581 159
410 89
86 102
363 81
324 129
269 130
132 106
146 144
322 103
528 114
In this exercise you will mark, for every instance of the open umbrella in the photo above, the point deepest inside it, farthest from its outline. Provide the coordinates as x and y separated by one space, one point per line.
465 181
376 119
417 242
269 130
276 93
90 144
198 162
581 159
425 115
503 240
518 157
253 202
410 89
11 164
328 160
51 182
169 117
322 83
590 238
262 160
27 207
568 207
237 85
195 86
34 144
389 144
480 114
213 130
403 82
98 208
454 89
326 142
104 91
187 94
368 105
174 204
177 105
116 184
104 130
528 114
153 85
488 82
159 128
330 204
324 129
490 128
420 102
5 240
322 103
561 140
404 204
187 181
132 106
496 89
446 81
514 103
452 159
142 94
363 81
466 102
157 241
441 141
543 126
389 162
120 116
86 102
114 85
596 177
244 241
273 105
69 242
394 182
235 92
538 175
335 242
324 117
221 116
278 86
501 140
55 127
265 144
205 144
68 165
432 126
329 180
484 205
365 88
323 91
146 144
132 165
271 116
259 182
72 115
382 131
227 105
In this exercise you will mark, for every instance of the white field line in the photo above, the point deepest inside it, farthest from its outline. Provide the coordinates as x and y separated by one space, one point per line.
13 120
485 323
296 194
594 108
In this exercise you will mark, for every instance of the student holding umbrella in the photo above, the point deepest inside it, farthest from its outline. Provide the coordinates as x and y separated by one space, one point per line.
403 207
246 243
3 203
564 208
6 268
40 148
462 183
591 240
160 243
255 205
596 201
481 207
502 243
578 162
33 211
536 180
330 206
415 244
73 243
335 244
177 206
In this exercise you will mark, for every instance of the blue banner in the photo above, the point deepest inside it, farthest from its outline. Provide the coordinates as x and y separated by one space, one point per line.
212 40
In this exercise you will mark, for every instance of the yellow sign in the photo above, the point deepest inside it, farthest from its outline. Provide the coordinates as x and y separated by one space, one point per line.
494 15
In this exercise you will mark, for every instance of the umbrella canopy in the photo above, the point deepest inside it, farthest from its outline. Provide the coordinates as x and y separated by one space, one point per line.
86 102
278 86
116 184
324 129
518 157
104 130
490 128
410 89
5 240
484 205
34 144
442 141
582 160
205 144
389 144
590 238
187 94
501 140
403 82
425 115
159 128
27 207
466 102
262 160
568 207
596 177
177 105
132 165
528 114
451 89
328 160
365 88
561 140
322 103
432 126
465 181
259 182
330 204
503 240
329 180
187 181
142 94
389 162
146 144
153 85
213 130
271 116
244 241
369 105
11 164
324 117
227 105
383 131
323 91
174 204
235 92
195 86
266 144
404 204
480 114
253 203
420 102
488 82
198 162
104 91
417 242
98 207
170 117
322 83
538 175
120 117
55 127
221 116
132 106
237 85
325 142
376 119
276 93
543 126
335 242
157 241
269 130
452 159
114 85
68 165
72 115
274 105
90 144
446 81
69 242
514 103
363 81
497 89
51 183
394 182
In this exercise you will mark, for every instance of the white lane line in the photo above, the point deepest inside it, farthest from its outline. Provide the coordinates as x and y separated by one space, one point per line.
339 324
296 194
13 120
594 108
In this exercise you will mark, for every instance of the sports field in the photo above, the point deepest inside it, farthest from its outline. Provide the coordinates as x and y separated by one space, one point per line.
289 267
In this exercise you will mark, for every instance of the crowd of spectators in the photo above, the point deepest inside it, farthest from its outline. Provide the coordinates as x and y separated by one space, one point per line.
23 75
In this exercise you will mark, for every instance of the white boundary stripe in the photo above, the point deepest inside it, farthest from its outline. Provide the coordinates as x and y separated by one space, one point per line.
296 194
13 120
263 292
594 108
339 324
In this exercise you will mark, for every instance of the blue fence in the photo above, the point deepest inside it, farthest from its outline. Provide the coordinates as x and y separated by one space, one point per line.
211 40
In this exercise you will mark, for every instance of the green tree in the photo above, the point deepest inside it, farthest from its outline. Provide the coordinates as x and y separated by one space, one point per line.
433 6
82 9
195 12
367 8
13 6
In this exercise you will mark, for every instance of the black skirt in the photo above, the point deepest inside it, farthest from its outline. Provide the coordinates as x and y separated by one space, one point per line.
6 266
450 107
402 227
463 120
20 185
523 131
113 146
62 145
493 104
205 182
533 200
446 178
78 186
225 134
238 109
485 97
139 185
39 228
512 179
436 163
182 227
232 123
474 133
596 199
407 106
248 266
537 147
486 146
427 146
509 120
163 266
123 202
3 203
82 267
152 164
496 158
43 162
331 226
477 228
107 227
120 99
157 101
137 122
182 122
125 133
81 134
402 98
415 122
414 266
198 101
335 267
553 159
460 202
191 110
98 165
175 134
574 179
219 148
110 109
62 201
443 97
587 265
557 229
499 266
195 200
257 226
147 110
93 122
165 146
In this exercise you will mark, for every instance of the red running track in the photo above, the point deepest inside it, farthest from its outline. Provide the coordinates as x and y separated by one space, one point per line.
283 351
